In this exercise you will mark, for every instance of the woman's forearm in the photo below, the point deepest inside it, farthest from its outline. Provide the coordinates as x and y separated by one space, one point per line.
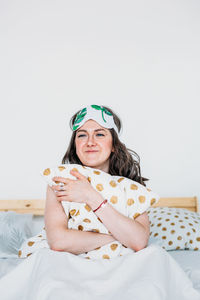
127 231
77 242
61 238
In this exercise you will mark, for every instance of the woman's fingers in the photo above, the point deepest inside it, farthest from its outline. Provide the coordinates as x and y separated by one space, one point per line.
73 189
64 180
59 187
78 175
60 198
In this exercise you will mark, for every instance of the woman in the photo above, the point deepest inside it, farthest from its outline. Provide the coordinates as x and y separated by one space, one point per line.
51 275
94 143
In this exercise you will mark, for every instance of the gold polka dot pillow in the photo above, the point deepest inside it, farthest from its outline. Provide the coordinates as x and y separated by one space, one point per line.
127 196
33 244
138 197
80 216
174 228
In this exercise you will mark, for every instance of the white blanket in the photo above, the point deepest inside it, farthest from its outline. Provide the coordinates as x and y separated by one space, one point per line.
50 275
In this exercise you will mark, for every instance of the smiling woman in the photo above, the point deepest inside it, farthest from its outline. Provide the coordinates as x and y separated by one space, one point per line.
95 143
122 161
99 213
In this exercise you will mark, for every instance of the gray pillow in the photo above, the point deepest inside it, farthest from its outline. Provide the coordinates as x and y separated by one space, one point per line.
15 228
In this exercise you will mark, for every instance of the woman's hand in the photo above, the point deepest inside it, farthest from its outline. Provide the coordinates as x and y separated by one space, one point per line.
73 190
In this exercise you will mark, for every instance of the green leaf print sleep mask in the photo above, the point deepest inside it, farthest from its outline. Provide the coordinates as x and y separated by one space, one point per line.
97 113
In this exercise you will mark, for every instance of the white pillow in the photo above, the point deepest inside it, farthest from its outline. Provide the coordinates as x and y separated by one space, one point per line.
174 228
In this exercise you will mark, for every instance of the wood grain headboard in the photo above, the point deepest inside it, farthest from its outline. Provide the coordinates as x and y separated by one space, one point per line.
36 206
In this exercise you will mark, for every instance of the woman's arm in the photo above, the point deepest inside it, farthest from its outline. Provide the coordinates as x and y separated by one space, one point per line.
133 234
61 238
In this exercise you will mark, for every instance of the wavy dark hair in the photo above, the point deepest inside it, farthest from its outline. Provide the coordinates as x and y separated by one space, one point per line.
123 161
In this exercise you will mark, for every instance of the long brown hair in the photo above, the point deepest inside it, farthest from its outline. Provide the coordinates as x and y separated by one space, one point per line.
123 161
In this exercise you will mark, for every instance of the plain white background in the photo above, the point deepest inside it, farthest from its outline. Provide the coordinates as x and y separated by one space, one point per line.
141 58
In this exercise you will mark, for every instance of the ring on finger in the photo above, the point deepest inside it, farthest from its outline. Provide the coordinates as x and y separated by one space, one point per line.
62 187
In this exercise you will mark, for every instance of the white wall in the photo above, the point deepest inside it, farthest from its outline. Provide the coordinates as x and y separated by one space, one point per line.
141 58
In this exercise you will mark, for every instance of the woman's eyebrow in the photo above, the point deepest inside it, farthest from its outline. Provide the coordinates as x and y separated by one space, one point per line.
100 129
83 130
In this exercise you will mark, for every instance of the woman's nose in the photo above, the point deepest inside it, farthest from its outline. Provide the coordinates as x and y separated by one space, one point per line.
91 140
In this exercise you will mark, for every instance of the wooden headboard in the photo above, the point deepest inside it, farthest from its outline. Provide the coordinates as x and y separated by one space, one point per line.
36 206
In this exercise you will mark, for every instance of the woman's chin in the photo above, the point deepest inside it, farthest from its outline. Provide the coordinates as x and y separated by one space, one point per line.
91 164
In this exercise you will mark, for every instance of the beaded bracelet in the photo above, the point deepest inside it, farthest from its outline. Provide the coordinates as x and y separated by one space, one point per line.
101 205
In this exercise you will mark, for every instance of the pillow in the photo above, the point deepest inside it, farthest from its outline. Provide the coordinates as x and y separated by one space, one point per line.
174 228
127 196
33 244
15 228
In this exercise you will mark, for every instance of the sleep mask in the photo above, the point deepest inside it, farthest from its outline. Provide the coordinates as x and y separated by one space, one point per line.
97 113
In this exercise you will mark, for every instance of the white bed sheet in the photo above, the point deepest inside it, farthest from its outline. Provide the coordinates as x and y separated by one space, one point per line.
188 260
190 263
56 275
8 264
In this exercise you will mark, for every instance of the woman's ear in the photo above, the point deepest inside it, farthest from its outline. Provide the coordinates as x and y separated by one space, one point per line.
113 150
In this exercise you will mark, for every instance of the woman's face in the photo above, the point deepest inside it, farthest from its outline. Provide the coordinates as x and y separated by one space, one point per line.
94 145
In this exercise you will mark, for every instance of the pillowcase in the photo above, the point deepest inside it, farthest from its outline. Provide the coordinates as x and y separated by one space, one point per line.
174 228
15 228
33 244
127 196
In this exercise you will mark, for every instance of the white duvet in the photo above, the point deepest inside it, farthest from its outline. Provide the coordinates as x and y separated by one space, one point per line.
50 275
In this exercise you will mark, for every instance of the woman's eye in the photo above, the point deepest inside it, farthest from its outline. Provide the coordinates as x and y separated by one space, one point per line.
81 135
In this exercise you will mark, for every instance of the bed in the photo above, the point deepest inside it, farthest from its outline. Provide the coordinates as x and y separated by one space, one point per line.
189 260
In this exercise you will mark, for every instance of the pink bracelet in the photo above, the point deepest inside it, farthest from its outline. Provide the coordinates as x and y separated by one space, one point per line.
102 204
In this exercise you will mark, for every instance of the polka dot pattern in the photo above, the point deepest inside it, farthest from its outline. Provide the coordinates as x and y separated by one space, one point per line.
72 212
106 256
174 228
97 172
142 199
61 168
120 179
130 201
113 183
33 244
47 172
125 195
86 220
114 199
87 207
99 187
133 187
113 247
